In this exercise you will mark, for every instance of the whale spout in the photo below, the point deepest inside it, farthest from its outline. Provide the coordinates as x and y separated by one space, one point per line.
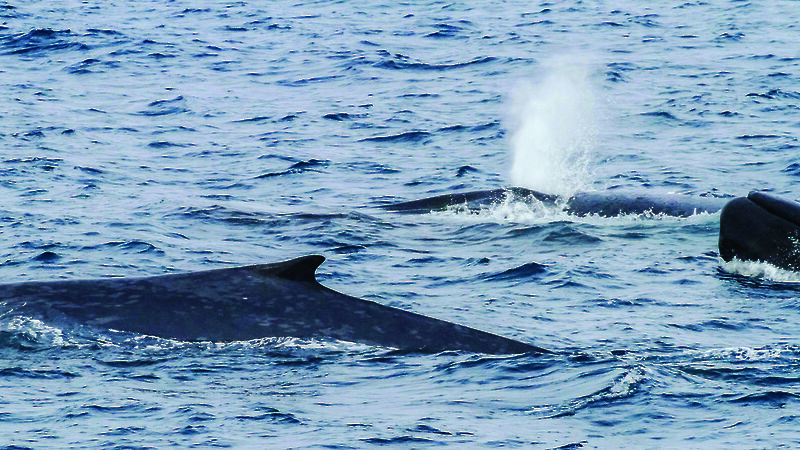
761 227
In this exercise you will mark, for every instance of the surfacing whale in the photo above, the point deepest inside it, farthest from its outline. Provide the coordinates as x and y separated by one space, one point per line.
761 227
605 204
243 303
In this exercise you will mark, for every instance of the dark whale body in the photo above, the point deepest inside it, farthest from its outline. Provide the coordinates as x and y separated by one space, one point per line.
605 204
242 303
761 227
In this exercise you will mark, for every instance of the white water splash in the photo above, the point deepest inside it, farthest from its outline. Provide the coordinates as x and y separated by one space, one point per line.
33 331
529 211
553 129
511 209
758 269
747 353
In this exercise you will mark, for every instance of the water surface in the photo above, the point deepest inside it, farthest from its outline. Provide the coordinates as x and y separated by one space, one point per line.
145 138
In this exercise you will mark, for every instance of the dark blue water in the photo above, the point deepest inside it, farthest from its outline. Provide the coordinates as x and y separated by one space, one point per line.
145 138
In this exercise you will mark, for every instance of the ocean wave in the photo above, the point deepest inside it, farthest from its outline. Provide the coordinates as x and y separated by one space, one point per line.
132 246
165 107
531 270
627 383
18 372
393 64
312 165
39 40
253 119
408 136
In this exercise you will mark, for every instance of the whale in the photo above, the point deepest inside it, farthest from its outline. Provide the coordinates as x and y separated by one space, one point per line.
281 299
608 203
761 227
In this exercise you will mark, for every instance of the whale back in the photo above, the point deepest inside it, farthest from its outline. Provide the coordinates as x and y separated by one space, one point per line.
473 200
606 204
244 303
612 203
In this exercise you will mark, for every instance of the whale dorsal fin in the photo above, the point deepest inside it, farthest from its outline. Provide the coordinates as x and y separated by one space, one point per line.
299 269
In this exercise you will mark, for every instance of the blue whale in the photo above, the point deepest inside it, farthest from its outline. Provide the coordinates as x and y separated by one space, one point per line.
761 227
758 227
605 204
242 303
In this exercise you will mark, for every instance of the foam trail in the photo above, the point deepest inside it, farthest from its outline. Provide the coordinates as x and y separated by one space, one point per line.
758 269
553 130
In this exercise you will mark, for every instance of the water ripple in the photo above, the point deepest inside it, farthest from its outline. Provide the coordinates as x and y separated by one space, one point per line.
170 137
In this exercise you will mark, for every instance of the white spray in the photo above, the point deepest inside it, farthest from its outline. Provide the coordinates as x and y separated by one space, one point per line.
553 126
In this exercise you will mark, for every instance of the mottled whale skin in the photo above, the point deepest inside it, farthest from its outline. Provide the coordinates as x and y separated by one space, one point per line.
242 303
761 227
605 204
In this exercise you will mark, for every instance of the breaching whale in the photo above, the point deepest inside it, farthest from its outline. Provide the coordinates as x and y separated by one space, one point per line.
605 204
243 303
761 227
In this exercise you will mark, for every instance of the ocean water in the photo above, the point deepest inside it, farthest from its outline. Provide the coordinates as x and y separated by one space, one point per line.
143 138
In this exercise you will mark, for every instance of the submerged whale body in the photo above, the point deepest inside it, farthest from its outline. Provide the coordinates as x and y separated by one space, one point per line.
243 303
604 204
761 227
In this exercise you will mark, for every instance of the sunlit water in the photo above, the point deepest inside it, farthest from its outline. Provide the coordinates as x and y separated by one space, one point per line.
145 138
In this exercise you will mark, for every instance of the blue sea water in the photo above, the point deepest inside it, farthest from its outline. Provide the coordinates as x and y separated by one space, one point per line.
143 138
